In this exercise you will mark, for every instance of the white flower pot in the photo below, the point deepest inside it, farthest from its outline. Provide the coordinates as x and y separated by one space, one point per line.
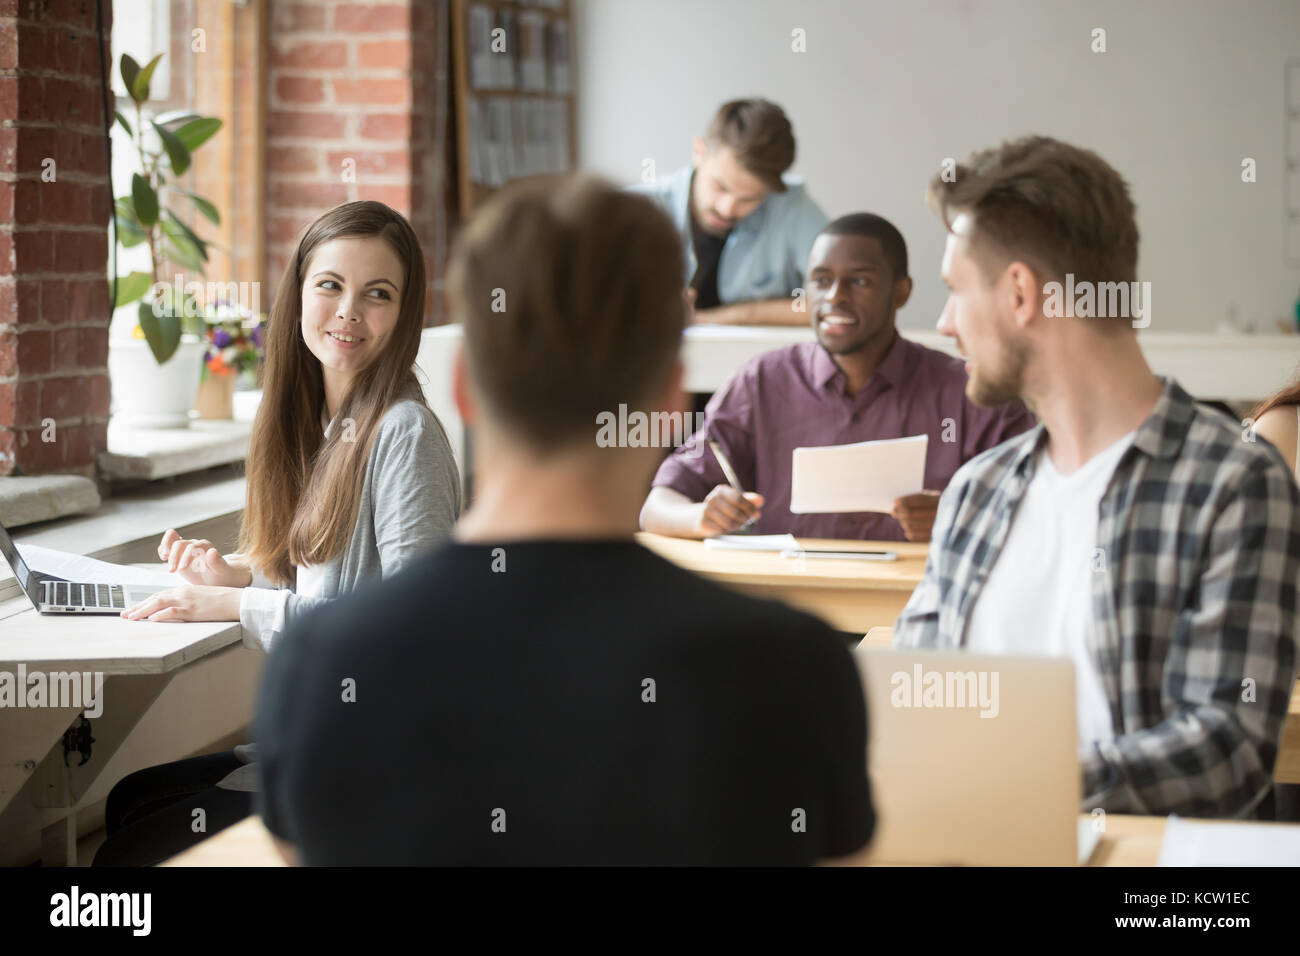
149 395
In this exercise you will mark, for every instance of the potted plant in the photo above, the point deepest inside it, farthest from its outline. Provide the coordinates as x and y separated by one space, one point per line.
233 352
155 375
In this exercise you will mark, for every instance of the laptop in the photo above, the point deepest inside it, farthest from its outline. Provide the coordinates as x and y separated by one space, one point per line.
55 595
973 759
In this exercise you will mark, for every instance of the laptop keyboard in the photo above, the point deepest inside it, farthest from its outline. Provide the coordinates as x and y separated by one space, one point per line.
72 594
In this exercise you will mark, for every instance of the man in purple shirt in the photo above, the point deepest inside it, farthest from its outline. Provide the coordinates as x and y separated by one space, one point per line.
860 381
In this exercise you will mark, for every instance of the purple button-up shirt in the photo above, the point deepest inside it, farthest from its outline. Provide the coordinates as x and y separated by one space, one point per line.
794 397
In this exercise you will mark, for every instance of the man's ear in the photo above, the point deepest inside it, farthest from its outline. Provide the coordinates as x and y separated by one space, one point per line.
460 388
1023 290
699 149
902 292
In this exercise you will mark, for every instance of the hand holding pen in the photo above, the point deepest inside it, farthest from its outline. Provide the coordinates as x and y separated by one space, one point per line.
729 507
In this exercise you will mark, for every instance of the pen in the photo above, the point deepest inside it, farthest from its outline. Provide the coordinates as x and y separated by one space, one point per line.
730 473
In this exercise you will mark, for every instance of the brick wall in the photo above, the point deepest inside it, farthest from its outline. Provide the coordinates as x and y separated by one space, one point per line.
55 204
351 82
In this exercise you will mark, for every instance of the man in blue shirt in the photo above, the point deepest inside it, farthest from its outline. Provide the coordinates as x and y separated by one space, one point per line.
746 226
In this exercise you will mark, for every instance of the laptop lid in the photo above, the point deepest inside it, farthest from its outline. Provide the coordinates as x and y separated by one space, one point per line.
26 580
972 759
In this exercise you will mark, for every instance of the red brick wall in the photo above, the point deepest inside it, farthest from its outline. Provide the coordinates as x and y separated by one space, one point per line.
350 81
53 237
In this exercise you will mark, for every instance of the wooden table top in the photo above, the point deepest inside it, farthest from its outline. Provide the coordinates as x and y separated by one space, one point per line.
769 568
1127 841
104 642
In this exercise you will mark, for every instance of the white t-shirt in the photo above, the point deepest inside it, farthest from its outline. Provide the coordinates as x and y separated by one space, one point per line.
1038 596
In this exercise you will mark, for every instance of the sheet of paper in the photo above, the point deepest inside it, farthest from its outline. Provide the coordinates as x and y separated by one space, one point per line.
84 570
1192 843
751 542
1089 837
864 476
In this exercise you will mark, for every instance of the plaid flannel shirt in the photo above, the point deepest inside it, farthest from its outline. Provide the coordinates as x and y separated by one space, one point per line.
1194 597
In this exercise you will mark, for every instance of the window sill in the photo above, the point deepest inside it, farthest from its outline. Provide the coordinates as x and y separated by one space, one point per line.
29 499
145 454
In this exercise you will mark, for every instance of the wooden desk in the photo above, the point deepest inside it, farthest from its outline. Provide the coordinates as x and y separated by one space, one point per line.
1287 768
1128 841
849 595
137 660
247 843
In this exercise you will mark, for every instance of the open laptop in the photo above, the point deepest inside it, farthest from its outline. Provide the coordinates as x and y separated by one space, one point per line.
973 759
55 595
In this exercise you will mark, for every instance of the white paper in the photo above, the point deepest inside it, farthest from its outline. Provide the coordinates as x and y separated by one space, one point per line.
504 60
751 542
864 476
1089 837
532 52
559 57
477 140
478 29
501 141
1191 843
560 134
84 570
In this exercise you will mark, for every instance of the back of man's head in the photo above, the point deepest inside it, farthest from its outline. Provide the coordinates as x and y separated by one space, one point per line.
570 294
1055 207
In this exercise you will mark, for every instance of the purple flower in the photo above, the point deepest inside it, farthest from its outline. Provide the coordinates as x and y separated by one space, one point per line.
257 335
221 338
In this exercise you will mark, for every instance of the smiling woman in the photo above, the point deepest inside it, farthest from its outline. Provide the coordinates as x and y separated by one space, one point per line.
350 477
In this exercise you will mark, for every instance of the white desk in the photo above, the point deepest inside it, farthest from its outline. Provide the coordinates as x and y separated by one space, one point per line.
1239 368
137 659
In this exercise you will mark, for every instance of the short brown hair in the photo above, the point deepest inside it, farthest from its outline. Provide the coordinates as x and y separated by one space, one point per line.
759 133
570 293
1057 208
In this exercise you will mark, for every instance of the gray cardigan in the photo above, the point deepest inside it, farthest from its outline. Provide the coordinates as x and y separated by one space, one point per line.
410 498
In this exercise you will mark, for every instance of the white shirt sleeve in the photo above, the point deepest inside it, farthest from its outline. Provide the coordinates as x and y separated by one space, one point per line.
265 613
261 615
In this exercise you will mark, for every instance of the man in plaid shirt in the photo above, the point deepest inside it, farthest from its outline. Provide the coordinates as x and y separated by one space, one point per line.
1152 541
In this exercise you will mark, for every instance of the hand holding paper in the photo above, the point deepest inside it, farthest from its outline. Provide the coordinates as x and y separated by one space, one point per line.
916 514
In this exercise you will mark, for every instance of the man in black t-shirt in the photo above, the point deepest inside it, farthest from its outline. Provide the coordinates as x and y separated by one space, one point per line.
708 250
545 690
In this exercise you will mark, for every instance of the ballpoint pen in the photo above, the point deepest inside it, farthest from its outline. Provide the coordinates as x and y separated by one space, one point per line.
731 476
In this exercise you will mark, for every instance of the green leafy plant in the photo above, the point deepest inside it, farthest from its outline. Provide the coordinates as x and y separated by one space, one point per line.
164 143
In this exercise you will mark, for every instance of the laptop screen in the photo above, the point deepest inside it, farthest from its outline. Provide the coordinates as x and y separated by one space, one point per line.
15 559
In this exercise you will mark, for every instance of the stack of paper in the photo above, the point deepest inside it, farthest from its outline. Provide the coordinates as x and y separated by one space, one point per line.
84 570
1191 843
751 542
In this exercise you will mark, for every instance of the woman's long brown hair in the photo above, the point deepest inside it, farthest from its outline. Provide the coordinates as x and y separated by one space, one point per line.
304 491
1290 395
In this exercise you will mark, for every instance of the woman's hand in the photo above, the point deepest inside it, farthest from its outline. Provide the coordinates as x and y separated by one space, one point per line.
188 603
197 561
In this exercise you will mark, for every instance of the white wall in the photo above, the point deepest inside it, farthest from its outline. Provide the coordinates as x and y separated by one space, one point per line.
886 90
